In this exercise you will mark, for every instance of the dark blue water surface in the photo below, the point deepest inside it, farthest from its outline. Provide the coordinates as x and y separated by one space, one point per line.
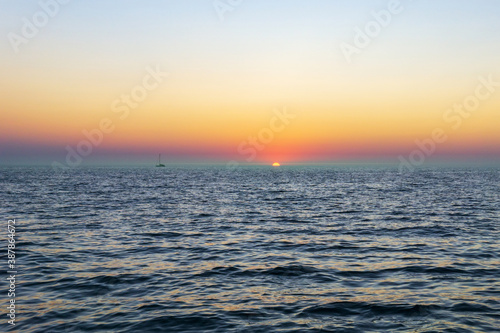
255 250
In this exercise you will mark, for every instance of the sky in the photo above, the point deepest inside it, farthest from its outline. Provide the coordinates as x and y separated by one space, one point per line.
251 81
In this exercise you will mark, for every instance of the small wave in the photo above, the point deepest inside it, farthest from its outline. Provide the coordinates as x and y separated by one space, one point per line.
186 323
219 271
369 309
168 234
119 279
471 307
291 270
205 215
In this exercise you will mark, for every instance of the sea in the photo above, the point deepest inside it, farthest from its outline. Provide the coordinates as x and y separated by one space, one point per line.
256 249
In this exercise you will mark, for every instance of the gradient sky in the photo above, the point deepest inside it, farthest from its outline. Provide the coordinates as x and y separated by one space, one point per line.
227 76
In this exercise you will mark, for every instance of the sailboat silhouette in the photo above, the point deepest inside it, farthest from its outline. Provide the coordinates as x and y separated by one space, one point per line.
159 165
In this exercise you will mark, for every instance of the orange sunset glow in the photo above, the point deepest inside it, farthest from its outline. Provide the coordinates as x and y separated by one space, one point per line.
212 95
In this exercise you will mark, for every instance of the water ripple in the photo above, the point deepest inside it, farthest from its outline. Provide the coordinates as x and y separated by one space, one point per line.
256 250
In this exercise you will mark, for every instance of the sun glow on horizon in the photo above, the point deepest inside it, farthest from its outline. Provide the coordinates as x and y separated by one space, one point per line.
276 164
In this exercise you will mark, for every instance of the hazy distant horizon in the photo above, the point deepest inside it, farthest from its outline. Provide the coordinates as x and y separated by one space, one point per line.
151 163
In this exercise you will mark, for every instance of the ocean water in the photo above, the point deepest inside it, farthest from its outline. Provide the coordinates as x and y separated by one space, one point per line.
254 250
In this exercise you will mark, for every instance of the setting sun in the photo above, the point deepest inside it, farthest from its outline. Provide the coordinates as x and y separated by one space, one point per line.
276 164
